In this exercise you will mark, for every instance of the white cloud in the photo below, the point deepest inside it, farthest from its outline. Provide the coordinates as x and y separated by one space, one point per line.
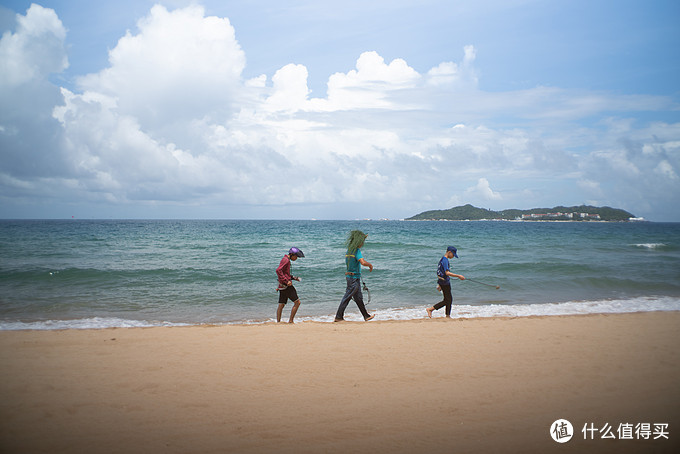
136 131
181 65
172 119
257 82
27 132
369 85
483 191
290 89
450 73
35 50
666 169
444 73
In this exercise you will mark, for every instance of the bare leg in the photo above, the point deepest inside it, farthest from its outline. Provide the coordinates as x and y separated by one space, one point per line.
278 312
293 311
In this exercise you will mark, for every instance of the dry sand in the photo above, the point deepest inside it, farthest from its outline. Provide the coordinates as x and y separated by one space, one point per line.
422 386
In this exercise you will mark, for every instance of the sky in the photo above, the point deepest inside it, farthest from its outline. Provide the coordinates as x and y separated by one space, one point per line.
312 109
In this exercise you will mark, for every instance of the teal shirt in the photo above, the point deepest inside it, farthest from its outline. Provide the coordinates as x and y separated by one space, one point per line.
353 265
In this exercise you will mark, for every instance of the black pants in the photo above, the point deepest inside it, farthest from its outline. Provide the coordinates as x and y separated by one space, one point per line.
448 299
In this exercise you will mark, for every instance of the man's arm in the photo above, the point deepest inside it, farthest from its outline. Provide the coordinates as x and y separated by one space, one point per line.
283 272
365 263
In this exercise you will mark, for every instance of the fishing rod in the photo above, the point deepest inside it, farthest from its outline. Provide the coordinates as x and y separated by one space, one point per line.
368 292
488 285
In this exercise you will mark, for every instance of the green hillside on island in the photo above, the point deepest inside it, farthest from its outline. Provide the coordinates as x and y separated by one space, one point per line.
559 213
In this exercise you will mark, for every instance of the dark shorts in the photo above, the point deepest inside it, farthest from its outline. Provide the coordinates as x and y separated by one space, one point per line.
288 293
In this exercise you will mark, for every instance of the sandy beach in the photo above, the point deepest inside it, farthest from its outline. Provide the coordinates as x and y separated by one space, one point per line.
422 386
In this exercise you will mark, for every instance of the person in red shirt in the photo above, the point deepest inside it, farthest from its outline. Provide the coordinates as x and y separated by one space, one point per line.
286 289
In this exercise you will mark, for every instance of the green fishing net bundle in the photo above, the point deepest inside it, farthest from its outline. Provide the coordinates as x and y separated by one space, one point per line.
355 240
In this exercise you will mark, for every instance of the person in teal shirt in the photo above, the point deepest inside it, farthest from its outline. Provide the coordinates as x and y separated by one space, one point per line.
354 259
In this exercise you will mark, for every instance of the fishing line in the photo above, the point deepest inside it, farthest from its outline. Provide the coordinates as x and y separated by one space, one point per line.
488 285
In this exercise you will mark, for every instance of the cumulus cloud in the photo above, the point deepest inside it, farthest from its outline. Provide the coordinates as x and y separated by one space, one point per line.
180 65
35 50
483 191
448 73
289 92
172 120
27 130
370 84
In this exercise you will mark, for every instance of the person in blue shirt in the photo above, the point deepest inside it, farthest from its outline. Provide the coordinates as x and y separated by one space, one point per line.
444 283
354 260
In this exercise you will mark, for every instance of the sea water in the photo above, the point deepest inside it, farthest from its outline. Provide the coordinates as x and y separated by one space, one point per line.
57 274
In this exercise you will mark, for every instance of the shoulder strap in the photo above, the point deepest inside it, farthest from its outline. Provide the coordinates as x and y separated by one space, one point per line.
347 257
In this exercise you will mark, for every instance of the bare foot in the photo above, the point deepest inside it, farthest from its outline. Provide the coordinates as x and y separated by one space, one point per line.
369 318
429 311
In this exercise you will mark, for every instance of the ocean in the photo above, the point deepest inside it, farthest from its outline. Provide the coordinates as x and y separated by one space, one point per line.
71 274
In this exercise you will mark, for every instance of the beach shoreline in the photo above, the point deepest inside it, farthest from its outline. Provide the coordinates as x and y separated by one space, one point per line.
396 313
430 385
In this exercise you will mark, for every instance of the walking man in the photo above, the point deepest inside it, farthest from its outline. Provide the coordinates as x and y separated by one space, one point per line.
444 283
354 260
286 289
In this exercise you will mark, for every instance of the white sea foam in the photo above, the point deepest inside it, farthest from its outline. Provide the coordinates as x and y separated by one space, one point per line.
649 245
613 306
84 323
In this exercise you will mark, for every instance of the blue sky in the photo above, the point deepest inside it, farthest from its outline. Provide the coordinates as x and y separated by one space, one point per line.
312 109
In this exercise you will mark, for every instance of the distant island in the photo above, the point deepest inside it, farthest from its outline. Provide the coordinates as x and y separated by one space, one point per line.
559 213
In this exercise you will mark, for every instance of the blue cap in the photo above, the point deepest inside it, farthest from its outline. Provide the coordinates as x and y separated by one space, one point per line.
454 250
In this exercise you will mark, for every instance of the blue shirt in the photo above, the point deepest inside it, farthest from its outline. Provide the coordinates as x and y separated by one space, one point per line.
353 265
441 271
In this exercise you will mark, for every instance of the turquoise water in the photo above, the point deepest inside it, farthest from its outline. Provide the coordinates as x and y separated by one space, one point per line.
82 273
